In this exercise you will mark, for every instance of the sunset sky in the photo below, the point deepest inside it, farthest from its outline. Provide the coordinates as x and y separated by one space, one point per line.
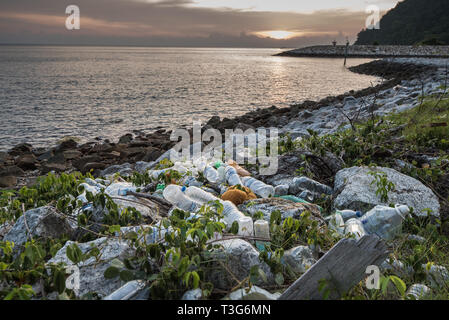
233 23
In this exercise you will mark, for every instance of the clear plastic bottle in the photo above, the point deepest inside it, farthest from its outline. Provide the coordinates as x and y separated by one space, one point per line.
384 221
355 227
246 226
258 187
336 223
231 213
261 230
211 174
231 176
349 214
199 195
221 174
174 194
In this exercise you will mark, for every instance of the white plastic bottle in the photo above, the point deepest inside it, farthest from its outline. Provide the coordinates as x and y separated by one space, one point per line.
221 174
232 177
199 195
355 227
258 187
211 174
231 213
349 214
384 221
173 194
336 223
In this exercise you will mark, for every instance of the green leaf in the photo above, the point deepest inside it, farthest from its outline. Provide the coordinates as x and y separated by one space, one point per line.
59 281
196 279
399 284
126 275
234 228
279 279
111 272
117 264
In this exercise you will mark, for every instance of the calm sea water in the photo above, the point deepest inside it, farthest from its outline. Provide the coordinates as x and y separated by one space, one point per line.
47 93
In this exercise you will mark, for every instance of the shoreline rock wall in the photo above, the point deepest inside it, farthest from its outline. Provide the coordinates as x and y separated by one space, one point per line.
366 51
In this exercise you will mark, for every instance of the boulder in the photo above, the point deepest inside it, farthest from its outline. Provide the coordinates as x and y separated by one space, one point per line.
26 162
301 184
233 261
123 169
286 207
8 182
356 189
91 271
44 222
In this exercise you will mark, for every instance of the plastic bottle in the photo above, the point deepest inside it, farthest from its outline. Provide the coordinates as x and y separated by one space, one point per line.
246 227
191 181
175 195
258 187
221 174
349 214
211 174
355 227
336 223
384 221
232 177
261 230
231 213
199 195
418 291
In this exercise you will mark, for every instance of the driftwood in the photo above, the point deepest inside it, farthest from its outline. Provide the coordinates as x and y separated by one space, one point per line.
163 204
340 268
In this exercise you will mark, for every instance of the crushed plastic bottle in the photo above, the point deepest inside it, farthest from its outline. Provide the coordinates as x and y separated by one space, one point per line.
232 177
336 223
191 181
385 222
221 174
246 226
211 174
355 227
87 188
258 187
349 214
231 213
175 195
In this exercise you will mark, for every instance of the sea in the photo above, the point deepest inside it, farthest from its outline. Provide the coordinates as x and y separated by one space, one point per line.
51 92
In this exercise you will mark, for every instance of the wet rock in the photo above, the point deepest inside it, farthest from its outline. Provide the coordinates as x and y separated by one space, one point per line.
56 167
44 222
355 191
286 207
72 154
255 293
235 256
195 294
142 166
91 272
124 170
67 145
299 259
80 163
11 171
93 166
20 149
127 138
27 162
8 181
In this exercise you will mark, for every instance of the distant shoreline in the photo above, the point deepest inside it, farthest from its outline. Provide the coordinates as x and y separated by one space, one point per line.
372 51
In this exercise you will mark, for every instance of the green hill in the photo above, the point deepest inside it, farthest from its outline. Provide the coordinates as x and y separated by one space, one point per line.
411 22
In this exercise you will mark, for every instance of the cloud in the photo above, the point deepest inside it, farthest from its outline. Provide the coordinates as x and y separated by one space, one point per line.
168 22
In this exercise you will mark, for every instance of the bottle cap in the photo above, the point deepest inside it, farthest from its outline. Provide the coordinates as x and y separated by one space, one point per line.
358 214
183 189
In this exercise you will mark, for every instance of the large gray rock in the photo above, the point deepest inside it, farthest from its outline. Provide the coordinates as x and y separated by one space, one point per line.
91 272
44 222
234 260
355 190
303 183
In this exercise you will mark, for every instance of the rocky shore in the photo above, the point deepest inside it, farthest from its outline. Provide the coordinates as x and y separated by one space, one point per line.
344 198
366 51
21 165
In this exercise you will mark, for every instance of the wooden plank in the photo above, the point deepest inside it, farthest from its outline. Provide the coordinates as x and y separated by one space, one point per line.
342 267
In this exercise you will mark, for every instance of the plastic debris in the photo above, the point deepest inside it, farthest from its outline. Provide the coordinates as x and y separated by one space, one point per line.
385 222
418 291
354 227
258 187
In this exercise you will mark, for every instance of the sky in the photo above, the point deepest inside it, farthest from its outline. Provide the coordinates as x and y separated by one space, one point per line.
210 23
